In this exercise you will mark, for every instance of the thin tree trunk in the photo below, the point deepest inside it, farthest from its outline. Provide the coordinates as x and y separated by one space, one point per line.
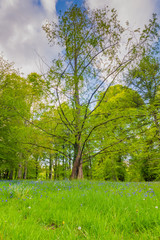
90 165
46 171
50 167
20 167
15 174
69 163
55 167
64 165
20 171
36 167
25 172
6 174
11 175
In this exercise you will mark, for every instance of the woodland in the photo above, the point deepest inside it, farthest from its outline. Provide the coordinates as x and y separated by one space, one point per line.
95 113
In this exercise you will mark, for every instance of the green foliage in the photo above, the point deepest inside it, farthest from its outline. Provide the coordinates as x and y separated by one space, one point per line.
88 66
17 106
145 78
116 117
76 117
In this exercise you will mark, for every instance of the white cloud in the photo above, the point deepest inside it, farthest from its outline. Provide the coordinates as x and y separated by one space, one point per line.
21 34
49 5
137 12
22 37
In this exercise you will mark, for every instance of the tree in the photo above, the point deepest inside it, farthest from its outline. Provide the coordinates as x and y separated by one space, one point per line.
113 139
145 78
12 103
91 42
57 140
18 98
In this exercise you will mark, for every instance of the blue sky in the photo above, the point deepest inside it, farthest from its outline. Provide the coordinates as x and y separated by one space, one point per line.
62 5
23 41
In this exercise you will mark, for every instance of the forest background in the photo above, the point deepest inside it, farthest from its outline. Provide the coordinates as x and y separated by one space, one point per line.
95 113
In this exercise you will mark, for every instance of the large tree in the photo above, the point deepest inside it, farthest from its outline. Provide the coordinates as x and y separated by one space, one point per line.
95 50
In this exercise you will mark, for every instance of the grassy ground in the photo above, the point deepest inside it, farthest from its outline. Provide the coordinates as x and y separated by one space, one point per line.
41 210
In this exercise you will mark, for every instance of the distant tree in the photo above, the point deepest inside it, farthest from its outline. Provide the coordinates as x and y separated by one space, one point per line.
18 99
12 104
119 108
145 78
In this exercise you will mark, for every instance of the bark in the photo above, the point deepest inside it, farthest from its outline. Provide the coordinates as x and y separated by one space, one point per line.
69 163
20 171
64 165
55 168
90 165
80 170
25 172
46 172
50 167
15 174
36 168
11 175
6 174
77 170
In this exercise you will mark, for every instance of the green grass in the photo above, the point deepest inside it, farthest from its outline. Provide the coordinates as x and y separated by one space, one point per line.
39 210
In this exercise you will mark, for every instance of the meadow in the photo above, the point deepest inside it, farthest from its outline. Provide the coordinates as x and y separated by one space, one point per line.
44 210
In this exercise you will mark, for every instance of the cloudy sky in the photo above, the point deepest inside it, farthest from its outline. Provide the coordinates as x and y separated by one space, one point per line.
23 41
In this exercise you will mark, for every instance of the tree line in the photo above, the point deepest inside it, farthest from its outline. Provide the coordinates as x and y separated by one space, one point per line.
95 114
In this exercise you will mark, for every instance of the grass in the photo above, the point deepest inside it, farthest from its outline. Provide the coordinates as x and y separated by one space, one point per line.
64 210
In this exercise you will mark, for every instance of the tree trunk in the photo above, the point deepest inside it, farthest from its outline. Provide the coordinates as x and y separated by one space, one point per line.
15 174
80 170
46 171
11 175
6 174
25 172
77 171
20 171
90 167
64 164
55 167
69 163
50 167
36 158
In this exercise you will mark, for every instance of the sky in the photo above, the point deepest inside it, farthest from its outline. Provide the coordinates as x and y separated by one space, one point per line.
23 41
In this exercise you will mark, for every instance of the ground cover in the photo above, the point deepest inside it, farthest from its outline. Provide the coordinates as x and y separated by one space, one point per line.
39 210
